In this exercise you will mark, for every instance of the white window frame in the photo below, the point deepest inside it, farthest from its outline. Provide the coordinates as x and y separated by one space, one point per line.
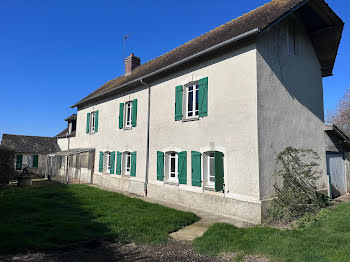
209 182
126 168
107 161
92 122
28 160
128 122
195 107
70 126
174 179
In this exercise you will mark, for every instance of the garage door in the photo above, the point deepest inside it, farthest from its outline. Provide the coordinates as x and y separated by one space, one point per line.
336 170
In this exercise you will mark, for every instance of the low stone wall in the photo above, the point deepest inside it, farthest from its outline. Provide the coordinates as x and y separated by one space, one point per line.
119 183
207 201
244 210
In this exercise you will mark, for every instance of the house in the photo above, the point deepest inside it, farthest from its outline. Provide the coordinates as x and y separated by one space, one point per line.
337 146
64 138
200 126
30 151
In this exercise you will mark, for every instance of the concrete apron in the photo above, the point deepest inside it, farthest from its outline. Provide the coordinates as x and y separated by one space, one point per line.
195 230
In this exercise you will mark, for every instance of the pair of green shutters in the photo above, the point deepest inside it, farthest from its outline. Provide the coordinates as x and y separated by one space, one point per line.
202 99
20 161
196 158
182 166
118 156
134 114
88 122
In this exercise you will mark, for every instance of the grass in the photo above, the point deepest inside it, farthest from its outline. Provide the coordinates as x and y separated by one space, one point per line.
327 239
55 216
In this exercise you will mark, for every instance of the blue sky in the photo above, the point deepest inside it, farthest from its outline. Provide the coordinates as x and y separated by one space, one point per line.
55 52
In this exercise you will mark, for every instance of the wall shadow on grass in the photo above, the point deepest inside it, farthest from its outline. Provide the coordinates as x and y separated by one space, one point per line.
55 219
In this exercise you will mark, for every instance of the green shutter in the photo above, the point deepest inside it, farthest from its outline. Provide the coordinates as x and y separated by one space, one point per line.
178 102
182 165
133 164
196 168
121 115
35 160
219 171
96 121
160 166
134 112
19 162
112 162
100 167
203 97
119 163
88 123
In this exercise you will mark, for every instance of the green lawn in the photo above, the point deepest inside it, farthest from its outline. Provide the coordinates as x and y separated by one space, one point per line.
54 216
325 240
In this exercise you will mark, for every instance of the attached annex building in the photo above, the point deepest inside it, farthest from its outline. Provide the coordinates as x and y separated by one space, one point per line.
201 124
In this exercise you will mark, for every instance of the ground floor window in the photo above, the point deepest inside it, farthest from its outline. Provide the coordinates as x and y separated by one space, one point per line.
211 170
107 161
213 175
172 166
127 163
28 161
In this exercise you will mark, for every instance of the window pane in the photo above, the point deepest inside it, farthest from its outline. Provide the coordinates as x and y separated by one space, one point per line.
190 104
128 161
172 164
211 169
196 113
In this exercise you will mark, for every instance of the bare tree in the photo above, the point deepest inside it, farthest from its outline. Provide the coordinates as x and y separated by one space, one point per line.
341 115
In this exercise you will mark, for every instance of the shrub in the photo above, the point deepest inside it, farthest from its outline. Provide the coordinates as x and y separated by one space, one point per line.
299 170
308 219
7 156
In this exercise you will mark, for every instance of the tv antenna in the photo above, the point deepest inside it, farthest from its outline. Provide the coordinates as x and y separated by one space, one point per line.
125 37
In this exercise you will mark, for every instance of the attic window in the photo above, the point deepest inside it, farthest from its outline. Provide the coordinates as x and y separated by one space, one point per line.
291 38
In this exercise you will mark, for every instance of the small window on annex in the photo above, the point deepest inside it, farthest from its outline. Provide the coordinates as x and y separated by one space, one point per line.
126 163
213 170
171 167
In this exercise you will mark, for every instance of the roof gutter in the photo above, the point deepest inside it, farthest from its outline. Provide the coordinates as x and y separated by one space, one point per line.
206 51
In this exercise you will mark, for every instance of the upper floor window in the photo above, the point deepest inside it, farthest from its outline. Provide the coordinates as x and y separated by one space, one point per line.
191 100
128 114
92 122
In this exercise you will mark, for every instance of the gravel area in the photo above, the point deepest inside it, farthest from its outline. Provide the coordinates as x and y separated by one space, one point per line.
101 251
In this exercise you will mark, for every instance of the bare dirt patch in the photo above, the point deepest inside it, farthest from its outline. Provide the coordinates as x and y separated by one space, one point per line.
102 251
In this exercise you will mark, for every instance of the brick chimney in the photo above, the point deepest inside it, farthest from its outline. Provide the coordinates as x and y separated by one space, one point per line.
131 62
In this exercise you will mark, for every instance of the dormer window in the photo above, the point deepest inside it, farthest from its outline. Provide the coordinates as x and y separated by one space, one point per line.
70 125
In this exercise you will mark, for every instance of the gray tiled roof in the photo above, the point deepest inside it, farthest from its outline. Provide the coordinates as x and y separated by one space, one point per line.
30 144
324 26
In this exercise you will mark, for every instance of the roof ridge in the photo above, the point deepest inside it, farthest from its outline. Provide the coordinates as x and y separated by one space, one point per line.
27 135
193 39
